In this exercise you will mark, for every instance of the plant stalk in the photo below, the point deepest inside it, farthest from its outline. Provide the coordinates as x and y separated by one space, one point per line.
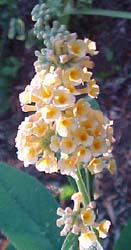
99 12
82 188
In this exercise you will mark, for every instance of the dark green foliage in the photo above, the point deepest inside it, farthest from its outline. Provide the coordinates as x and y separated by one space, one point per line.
27 212
8 69
124 242
71 242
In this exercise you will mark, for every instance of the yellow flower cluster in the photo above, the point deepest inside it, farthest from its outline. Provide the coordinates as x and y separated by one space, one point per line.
82 221
64 132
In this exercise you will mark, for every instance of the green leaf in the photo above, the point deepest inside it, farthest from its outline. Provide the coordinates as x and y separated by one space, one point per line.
71 242
27 212
124 242
99 12
10 247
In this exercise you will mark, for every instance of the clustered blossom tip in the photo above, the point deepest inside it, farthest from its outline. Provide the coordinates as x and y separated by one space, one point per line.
64 133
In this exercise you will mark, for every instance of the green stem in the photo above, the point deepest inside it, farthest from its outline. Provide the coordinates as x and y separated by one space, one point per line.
82 188
88 183
99 12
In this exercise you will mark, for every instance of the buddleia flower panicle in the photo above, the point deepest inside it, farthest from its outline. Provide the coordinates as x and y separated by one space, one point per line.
64 133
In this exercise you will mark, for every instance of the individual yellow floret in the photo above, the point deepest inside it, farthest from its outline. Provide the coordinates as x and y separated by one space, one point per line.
86 240
81 109
50 113
103 228
63 99
67 145
93 89
68 166
65 126
98 147
47 163
55 143
88 217
83 154
77 48
82 137
96 165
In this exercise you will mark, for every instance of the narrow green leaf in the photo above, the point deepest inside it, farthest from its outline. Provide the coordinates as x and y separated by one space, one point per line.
27 212
124 242
71 242
100 12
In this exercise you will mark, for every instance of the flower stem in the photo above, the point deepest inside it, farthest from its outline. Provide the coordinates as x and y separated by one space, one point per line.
82 188
89 184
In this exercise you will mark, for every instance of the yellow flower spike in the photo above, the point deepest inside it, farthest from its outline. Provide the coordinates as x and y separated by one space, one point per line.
63 99
67 146
103 228
77 48
88 217
96 166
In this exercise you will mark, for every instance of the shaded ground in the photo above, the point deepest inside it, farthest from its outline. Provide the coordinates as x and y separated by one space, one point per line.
113 72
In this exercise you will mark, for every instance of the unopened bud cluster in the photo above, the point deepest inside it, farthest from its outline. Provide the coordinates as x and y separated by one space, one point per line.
81 221
64 133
